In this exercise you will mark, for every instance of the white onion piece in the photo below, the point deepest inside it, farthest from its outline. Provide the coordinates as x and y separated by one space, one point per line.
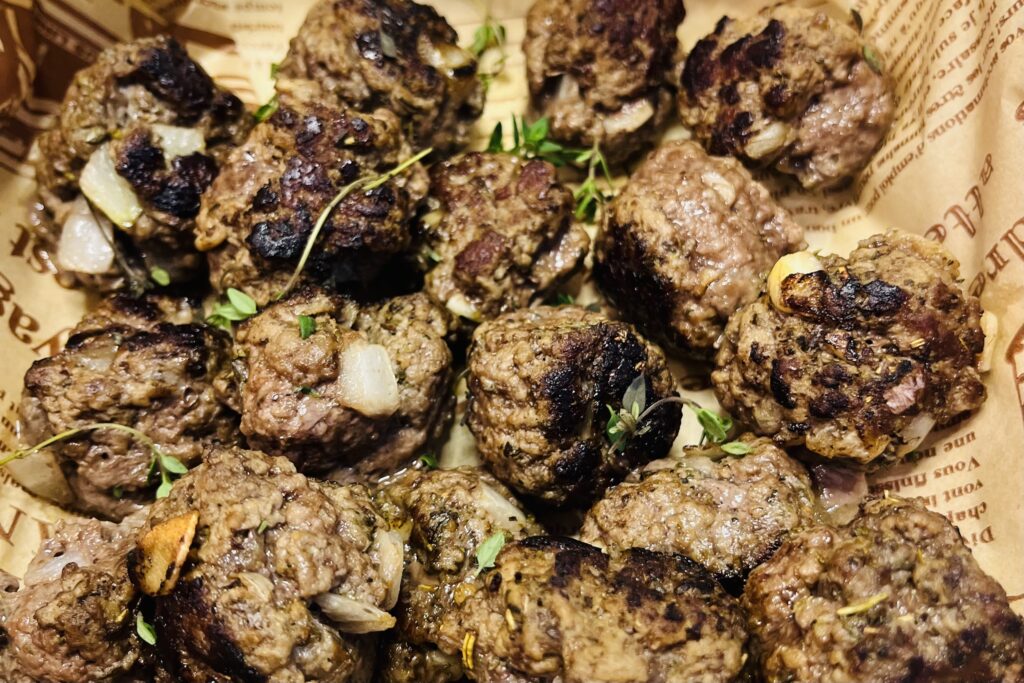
260 585
367 384
915 432
86 243
502 512
389 554
722 187
177 141
841 490
460 305
354 616
630 118
767 141
40 474
109 191
51 569
990 326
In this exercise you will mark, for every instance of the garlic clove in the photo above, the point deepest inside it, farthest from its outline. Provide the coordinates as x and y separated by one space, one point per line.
367 383
353 616
459 305
797 263
108 190
767 141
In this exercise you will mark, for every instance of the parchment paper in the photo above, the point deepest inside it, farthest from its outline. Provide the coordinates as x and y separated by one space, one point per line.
950 169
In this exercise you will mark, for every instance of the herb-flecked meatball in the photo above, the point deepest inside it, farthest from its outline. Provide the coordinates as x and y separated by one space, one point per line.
260 574
334 384
500 233
688 241
893 596
261 211
139 363
726 513
790 88
540 383
394 54
855 358
140 136
599 70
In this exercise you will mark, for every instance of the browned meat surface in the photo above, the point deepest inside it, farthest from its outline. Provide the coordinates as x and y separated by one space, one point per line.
130 106
792 88
282 575
540 381
860 358
599 70
393 54
449 515
688 241
130 363
366 390
259 213
894 596
500 234
726 513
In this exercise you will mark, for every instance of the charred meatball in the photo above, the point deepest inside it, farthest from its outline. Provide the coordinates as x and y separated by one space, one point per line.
141 134
790 88
687 242
500 233
727 513
136 363
540 383
259 214
260 574
855 358
893 596
364 389
599 70
394 54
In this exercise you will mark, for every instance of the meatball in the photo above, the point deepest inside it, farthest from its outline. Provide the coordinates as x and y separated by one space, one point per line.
500 233
855 358
275 575
449 514
688 241
128 364
365 390
260 212
140 136
557 609
394 54
726 513
599 70
790 88
893 596
541 382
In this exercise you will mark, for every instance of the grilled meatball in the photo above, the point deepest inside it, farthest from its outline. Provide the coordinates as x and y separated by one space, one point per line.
394 54
259 214
366 390
450 514
893 596
726 513
599 70
791 88
859 358
540 381
501 234
141 133
129 364
279 571
688 241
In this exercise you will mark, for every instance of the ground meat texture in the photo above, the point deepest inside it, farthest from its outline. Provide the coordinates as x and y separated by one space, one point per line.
449 514
877 348
540 381
893 596
791 88
557 609
125 106
394 54
726 513
500 234
599 70
365 392
259 214
688 241
276 561
126 364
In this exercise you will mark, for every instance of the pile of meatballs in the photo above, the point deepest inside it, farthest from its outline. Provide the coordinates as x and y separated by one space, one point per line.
260 493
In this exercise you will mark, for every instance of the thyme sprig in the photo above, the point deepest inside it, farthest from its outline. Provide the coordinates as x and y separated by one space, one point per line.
237 307
490 38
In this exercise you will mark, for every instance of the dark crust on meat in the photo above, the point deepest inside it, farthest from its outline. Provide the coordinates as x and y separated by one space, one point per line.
873 342
934 615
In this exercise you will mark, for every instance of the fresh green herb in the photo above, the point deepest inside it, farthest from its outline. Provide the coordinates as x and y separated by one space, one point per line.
433 255
488 551
873 59
858 20
159 276
490 39
307 326
496 143
274 68
267 110
735 448
716 427
429 461
308 391
238 307
588 196
117 492
563 299
262 527
863 605
146 631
